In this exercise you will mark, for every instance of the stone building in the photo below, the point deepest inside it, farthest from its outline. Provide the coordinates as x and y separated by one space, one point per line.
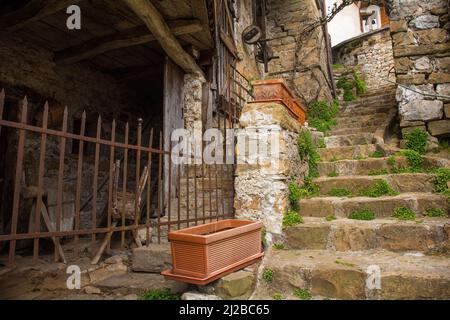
87 163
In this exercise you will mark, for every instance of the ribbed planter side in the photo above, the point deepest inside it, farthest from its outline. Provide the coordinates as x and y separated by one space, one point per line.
204 253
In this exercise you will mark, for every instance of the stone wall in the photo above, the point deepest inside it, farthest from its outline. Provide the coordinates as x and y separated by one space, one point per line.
302 59
420 32
371 54
261 187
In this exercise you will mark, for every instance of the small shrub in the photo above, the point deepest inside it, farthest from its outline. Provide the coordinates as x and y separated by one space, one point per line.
330 217
302 294
333 174
277 296
295 193
416 140
442 177
267 275
404 213
345 84
321 115
306 149
339 192
159 294
278 246
360 85
322 144
435 212
392 161
377 154
380 188
415 160
363 214
291 218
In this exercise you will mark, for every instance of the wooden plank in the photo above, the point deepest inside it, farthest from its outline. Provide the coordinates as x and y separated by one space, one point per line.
95 181
127 38
35 10
159 28
172 116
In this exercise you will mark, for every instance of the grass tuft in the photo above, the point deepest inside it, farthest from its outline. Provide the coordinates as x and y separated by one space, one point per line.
159 294
362 214
302 294
404 213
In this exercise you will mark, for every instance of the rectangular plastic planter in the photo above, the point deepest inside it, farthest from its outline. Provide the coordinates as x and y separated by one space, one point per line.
204 253
276 90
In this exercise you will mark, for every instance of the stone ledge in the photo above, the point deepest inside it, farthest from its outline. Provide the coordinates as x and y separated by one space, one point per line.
268 114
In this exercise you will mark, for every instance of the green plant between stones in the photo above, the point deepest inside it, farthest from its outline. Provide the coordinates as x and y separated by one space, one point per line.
279 246
414 159
363 214
404 213
378 172
339 192
321 115
377 154
330 217
291 218
302 294
278 296
380 188
307 150
417 140
435 213
159 294
333 174
267 275
442 177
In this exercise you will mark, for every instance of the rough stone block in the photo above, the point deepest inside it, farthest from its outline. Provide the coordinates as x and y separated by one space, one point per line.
405 123
411 79
403 38
423 110
443 90
199 296
410 129
447 111
238 285
439 77
439 128
398 26
425 22
155 258
432 36
307 236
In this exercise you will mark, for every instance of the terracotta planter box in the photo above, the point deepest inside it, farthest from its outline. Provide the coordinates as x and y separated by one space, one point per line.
208 252
276 90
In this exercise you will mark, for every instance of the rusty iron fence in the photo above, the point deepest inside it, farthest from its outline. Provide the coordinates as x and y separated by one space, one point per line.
133 197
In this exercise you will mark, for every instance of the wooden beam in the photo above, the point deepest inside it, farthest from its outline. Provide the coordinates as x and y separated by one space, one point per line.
127 38
145 10
33 11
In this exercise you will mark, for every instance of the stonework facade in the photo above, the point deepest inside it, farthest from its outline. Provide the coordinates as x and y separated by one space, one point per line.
302 59
372 55
261 187
420 32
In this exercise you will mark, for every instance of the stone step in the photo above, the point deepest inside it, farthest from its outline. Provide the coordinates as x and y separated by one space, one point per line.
382 207
408 182
432 235
365 111
373 118
343 275
367 166
349 152
349 140
342 130
383 96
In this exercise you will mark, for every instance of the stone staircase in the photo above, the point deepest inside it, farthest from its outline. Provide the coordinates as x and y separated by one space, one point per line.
332 256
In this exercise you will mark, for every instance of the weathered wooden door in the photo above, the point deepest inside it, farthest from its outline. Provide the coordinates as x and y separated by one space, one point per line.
173 119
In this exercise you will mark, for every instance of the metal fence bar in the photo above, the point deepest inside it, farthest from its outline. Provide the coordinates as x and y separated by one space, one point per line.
111 180
78 183
17 182
124 183
40 182
95 182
